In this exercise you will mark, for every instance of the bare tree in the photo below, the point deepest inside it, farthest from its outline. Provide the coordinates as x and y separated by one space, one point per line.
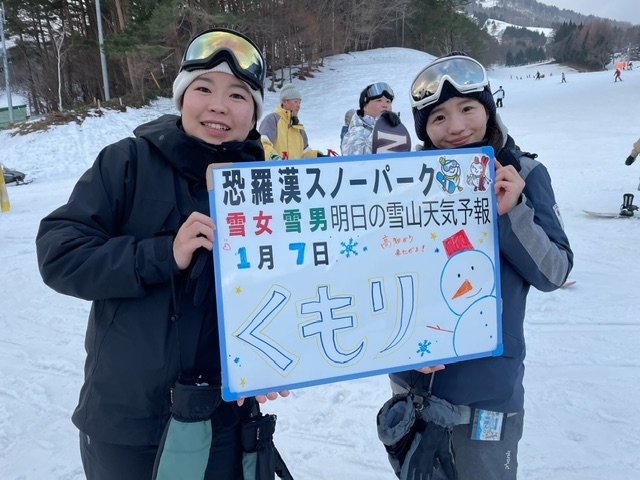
58 41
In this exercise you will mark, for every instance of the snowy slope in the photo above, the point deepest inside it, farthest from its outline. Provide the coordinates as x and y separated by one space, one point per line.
583 369
497 27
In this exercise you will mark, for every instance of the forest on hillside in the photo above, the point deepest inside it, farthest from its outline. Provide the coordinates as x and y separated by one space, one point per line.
55 58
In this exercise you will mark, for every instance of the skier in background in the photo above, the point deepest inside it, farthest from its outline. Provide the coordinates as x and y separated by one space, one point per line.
499 94
617 75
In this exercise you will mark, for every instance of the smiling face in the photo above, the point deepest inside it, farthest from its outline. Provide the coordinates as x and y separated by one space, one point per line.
218 107
457 122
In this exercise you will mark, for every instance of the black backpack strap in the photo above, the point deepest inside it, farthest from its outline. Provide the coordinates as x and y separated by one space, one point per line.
511 153
507 156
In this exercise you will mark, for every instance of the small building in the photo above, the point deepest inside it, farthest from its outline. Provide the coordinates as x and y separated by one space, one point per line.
19 115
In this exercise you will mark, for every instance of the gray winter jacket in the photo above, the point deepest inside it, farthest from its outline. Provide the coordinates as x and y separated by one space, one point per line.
534 251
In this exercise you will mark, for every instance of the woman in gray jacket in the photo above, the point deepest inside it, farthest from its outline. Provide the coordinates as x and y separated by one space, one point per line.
453 107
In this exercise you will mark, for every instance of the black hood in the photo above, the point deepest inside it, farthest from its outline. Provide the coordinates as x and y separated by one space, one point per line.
190 155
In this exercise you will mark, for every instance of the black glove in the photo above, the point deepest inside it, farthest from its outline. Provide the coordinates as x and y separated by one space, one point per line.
396 422
629 160
430 447
320 154
391 117
417 435
261 459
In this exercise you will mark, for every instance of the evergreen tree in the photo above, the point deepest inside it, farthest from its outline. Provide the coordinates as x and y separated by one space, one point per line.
510 62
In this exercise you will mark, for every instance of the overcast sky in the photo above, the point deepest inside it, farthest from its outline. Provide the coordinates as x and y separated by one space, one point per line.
624 10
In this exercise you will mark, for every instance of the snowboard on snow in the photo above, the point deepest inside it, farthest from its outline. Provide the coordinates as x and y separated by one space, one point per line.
608 215
627 207
387 138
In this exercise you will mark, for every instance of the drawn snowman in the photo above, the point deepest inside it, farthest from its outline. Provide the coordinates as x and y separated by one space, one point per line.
478 178
467 284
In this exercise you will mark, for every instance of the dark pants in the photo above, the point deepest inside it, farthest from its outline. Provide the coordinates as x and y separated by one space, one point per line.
107 461
499 102
482 460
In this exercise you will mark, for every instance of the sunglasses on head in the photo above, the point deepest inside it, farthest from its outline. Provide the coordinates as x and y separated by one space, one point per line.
219 45
465 74
377 90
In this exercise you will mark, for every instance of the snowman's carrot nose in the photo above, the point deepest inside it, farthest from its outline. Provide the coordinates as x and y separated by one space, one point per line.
464 288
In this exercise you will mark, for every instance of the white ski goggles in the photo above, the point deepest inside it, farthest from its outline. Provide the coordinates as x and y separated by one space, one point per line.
465 74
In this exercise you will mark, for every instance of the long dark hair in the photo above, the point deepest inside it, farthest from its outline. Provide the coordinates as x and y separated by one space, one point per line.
495 137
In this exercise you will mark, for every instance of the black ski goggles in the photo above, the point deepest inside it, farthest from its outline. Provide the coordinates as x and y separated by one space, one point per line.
219 45
377 90
465 74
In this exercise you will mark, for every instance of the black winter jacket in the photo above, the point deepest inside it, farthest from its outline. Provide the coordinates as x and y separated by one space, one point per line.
112 244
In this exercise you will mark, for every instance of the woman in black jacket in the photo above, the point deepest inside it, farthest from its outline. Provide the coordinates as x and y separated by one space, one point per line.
135 239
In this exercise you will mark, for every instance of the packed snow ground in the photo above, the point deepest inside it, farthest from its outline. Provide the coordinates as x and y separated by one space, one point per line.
583 369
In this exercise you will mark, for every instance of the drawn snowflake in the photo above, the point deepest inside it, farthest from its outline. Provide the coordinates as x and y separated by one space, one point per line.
349 248
424 348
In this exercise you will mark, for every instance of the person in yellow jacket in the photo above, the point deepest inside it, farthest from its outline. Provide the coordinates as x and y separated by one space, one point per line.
4 195
282 134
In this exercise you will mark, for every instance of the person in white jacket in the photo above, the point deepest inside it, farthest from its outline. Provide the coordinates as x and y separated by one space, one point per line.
499 94
375 99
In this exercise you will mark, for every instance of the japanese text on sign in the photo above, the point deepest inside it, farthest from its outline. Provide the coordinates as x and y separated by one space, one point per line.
328 270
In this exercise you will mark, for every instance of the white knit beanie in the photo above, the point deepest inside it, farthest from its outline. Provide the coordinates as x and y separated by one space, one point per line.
184 79
289 92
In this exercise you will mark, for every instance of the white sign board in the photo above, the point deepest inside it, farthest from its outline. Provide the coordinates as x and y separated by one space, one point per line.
337 268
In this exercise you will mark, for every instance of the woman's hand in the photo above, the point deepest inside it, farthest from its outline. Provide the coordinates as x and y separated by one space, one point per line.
195 232
264 398
508 187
